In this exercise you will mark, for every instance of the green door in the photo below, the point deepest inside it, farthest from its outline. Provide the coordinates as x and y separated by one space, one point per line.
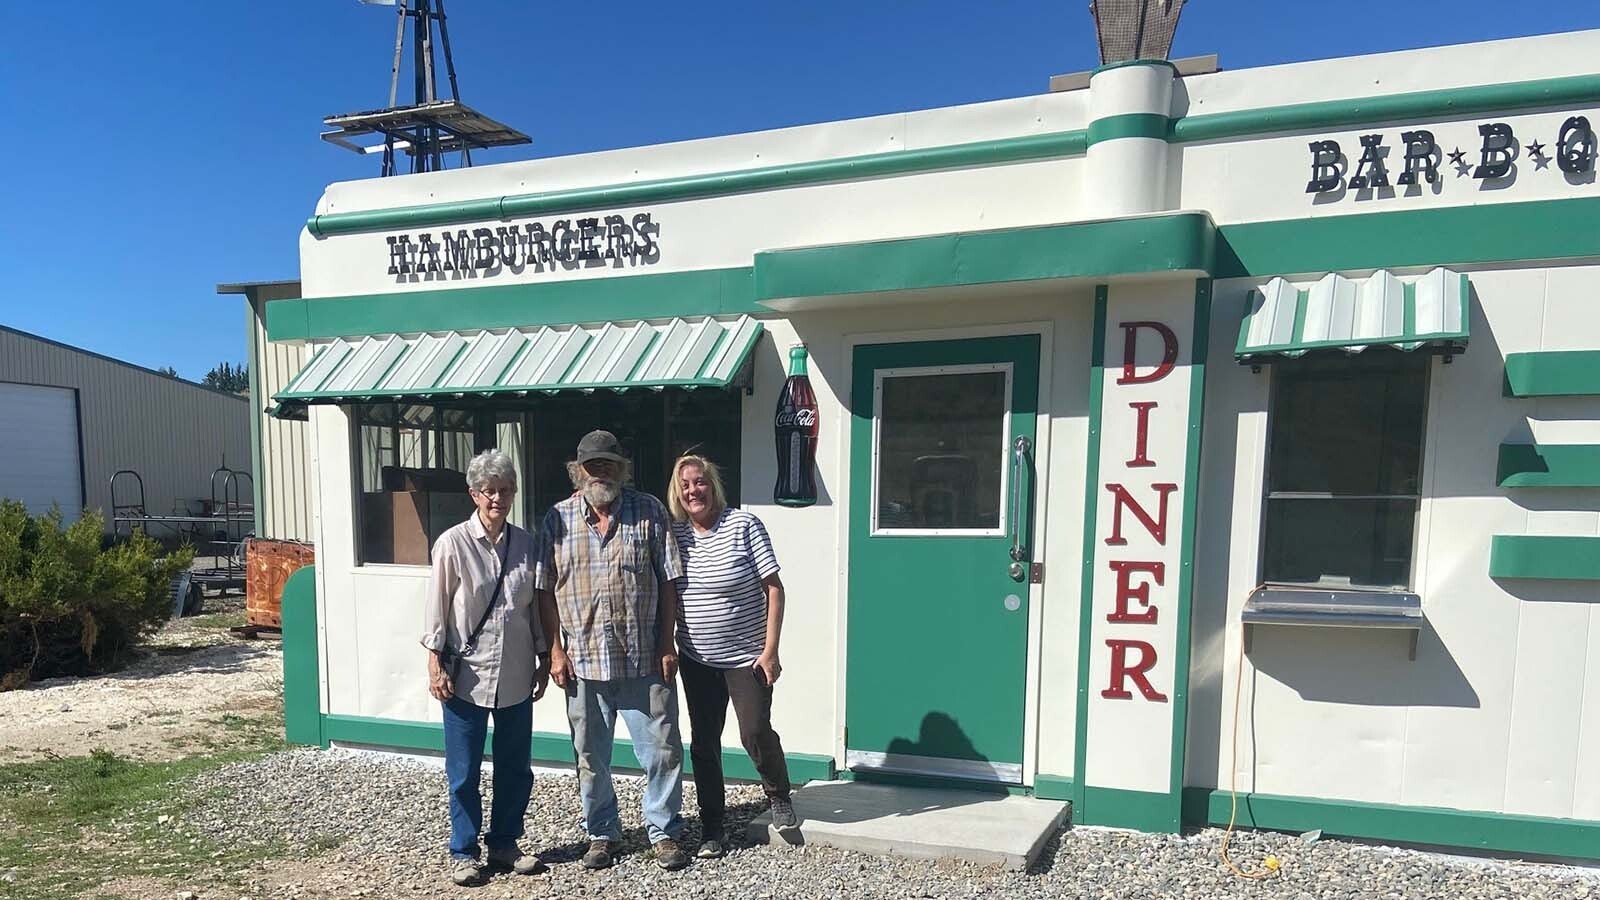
942 482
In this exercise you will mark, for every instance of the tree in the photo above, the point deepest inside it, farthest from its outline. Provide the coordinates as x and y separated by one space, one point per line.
168 371
228 377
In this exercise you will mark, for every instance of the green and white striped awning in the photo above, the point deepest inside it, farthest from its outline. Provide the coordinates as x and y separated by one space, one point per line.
522 361
1339 313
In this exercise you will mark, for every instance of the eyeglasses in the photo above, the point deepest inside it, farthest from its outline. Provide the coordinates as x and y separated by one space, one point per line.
495 492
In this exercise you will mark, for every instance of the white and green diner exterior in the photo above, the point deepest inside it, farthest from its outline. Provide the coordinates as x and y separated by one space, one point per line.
1116 252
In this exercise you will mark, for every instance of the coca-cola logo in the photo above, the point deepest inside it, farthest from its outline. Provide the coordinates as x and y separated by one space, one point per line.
804 418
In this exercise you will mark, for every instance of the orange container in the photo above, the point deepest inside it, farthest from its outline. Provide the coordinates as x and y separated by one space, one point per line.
268 564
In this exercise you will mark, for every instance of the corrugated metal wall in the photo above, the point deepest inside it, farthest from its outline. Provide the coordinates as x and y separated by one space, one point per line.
173 433
285 496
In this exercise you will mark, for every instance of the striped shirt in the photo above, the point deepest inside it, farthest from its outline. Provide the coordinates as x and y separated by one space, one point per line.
608 587
723 602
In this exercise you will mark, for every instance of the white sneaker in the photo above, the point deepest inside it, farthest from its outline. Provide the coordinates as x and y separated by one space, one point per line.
468 873
514 860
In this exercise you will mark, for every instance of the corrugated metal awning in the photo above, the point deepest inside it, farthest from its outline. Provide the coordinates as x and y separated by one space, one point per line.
613 356
1353 314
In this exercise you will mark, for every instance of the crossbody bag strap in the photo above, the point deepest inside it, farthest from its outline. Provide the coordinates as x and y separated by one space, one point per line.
499 583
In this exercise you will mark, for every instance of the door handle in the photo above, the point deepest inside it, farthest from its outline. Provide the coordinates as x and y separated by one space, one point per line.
1019 459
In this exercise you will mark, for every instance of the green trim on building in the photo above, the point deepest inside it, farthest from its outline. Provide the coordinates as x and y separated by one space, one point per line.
257 393
548 747
1177 242
302 674
1091 496
1117 808
996 152
1200 344
1128 125
1504 832
1544 556
1128 63
704 292
1414 107
1548 465
1529 231
1053 787
1555 373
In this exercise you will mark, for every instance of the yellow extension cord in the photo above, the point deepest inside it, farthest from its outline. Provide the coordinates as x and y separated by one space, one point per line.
1270 865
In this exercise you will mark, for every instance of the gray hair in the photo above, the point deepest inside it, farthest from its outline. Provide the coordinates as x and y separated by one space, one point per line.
490 465
576 473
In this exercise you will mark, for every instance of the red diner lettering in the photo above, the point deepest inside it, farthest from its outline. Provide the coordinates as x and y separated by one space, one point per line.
1141 439
1157 526
1121 672
1130 348
1127 590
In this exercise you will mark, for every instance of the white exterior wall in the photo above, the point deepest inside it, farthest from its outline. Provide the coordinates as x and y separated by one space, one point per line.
287 502
1499 710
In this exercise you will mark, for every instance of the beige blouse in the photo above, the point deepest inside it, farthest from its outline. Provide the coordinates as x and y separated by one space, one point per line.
500 670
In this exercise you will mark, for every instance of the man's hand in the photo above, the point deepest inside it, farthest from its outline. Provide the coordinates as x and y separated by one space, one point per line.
669 665
768 669
560 668
541 676
438 682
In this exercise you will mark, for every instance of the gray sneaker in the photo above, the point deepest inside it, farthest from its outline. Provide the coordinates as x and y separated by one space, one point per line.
783 817
710 847
468 873
512 859
669 855
599 855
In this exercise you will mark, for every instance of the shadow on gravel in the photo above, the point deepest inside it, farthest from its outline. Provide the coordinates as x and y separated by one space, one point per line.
636 841
1046 860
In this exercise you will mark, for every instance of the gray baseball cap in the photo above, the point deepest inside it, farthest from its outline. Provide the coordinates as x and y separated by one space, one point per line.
599 445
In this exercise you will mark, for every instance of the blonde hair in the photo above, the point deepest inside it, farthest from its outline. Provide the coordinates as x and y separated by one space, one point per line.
719 498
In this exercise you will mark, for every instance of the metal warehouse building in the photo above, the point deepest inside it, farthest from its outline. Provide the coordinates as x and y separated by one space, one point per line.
74 418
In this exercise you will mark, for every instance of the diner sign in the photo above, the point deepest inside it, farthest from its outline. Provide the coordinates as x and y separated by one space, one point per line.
571 243
1420 157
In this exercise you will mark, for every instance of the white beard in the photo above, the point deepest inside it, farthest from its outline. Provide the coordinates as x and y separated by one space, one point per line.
601 493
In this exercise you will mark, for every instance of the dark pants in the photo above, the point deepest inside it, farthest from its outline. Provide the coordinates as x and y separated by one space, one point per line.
707 691
465 727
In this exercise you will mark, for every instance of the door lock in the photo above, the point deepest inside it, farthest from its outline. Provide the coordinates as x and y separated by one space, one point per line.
1018 571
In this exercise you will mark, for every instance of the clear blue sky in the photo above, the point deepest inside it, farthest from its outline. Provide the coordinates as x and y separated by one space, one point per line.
158 149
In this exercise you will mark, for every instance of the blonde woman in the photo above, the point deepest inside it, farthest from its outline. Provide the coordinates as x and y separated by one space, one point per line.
732 615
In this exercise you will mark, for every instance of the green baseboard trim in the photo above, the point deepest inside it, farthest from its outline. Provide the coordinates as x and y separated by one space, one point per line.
1544 556
901 779
1052 787
1139 810
548 747
1553 373
302 676
1504 832
1548 465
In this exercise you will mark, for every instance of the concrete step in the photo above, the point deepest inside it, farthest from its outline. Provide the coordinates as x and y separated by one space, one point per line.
980 827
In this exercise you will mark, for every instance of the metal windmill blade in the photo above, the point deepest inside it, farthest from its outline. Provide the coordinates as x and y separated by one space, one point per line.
1134 29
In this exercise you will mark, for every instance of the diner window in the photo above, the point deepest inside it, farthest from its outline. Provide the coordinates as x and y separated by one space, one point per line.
1343 470
412 463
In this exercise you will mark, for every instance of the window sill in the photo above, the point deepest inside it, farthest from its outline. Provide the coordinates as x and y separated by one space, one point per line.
392 569
1280 604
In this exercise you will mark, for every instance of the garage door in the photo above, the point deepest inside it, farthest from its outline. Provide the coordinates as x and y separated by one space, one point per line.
39 448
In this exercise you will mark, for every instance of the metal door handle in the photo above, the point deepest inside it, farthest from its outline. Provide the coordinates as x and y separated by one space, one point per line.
1019 457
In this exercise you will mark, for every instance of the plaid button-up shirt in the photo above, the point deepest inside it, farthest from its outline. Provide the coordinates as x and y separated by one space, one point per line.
608 587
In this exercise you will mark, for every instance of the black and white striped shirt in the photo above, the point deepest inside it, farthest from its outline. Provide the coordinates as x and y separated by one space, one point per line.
723 600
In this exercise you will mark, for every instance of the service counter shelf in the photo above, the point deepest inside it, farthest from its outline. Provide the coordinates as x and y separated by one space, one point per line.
1279 604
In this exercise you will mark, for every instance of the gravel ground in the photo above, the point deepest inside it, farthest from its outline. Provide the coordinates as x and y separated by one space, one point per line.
387 818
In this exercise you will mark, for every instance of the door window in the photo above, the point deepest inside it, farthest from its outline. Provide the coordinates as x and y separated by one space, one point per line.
939 454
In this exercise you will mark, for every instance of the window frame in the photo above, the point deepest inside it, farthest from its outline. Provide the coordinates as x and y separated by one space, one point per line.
1274 385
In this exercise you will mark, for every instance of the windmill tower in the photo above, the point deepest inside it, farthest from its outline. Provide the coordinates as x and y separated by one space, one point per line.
430 128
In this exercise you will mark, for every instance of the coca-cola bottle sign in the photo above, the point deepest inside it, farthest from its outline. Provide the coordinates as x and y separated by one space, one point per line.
795 435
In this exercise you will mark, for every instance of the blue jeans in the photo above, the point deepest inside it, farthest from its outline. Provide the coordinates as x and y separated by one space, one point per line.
650 710
465 727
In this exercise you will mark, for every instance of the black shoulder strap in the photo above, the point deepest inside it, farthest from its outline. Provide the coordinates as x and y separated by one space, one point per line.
505 556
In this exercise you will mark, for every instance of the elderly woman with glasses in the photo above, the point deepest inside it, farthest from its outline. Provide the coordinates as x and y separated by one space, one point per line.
732 615
487 659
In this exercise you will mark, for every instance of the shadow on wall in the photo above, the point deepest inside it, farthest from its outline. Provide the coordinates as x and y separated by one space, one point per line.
939 736
1362 666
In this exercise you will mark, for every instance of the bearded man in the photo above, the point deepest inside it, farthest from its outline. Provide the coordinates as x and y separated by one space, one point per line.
606 573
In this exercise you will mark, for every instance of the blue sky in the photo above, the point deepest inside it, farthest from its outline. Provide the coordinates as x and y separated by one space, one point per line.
175 143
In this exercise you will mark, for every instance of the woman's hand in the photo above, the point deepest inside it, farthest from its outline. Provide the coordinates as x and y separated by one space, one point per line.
669 665
768 669
560 668
438 682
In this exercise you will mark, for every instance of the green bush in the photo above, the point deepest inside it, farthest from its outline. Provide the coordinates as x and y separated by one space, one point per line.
69 605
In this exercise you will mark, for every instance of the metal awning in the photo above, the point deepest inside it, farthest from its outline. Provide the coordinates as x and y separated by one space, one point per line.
521 361
1353 314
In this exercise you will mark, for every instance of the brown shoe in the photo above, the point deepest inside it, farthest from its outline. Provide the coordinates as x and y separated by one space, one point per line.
669 855
599 855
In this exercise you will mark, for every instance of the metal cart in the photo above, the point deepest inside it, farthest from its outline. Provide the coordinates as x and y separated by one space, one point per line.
219 533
